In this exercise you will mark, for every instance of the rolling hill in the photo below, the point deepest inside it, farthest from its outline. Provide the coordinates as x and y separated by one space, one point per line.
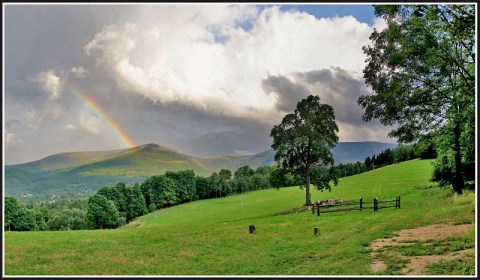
79 174
211 237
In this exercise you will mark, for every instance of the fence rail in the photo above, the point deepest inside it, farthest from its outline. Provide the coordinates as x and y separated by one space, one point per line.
322 207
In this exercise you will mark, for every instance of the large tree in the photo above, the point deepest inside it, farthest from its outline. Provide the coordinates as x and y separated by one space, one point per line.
421 68
302 141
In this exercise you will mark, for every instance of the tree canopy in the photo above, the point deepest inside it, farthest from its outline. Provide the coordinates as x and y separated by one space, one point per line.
302 141
102 213
421 68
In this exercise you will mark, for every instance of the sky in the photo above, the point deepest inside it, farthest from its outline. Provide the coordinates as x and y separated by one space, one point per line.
204 79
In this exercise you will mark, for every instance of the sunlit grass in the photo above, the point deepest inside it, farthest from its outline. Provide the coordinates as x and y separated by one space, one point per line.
211 237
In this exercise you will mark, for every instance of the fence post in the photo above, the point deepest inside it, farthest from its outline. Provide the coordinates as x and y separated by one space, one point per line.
361 206
318 209
375 204
398 199
313 208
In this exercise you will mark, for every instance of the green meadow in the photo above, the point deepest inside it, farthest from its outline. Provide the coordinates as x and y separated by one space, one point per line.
211 237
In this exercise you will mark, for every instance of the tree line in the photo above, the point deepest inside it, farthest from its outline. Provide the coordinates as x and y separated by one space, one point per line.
114 206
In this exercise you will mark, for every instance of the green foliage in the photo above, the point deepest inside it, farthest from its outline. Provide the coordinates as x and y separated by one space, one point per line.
68 219
185 185
40 223
421 69
102 213
128 200
322 177
445 165
304 138
159 191
12 207
261 178
444 170
260 181
225 174
136 202
203 187
17 217
65 214
280 178
215 186
425 148
244 171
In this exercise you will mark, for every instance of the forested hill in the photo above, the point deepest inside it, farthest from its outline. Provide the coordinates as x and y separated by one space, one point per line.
80 174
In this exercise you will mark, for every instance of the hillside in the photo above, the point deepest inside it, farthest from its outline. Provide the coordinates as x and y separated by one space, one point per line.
79 174
234 162
211 237
350 152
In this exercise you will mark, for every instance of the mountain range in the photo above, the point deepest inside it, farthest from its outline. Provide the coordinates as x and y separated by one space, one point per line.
80 174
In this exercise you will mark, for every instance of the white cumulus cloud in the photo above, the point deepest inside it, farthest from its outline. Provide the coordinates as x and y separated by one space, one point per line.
210 61
79 72
49 82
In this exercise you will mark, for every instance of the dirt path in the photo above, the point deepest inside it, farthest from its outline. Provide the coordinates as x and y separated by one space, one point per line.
427 233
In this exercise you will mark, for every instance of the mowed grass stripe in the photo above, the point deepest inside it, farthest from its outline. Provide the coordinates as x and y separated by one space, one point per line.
211 237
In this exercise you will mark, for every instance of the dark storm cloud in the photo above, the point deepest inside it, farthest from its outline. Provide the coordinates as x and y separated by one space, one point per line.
38 40
198 132
335 87
233 143
288 93
341 90
12 123
238 137
36 36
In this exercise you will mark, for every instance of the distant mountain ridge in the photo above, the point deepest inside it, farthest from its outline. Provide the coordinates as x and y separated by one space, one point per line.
350 152
80 174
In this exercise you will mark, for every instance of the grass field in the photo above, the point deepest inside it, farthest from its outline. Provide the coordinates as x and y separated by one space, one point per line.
211 237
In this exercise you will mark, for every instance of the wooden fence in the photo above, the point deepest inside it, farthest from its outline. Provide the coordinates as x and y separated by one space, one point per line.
322 207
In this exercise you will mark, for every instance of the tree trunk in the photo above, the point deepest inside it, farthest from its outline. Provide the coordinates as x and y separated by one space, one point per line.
308 200
458 181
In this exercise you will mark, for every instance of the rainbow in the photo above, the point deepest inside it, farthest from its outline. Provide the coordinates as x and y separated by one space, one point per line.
102 114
